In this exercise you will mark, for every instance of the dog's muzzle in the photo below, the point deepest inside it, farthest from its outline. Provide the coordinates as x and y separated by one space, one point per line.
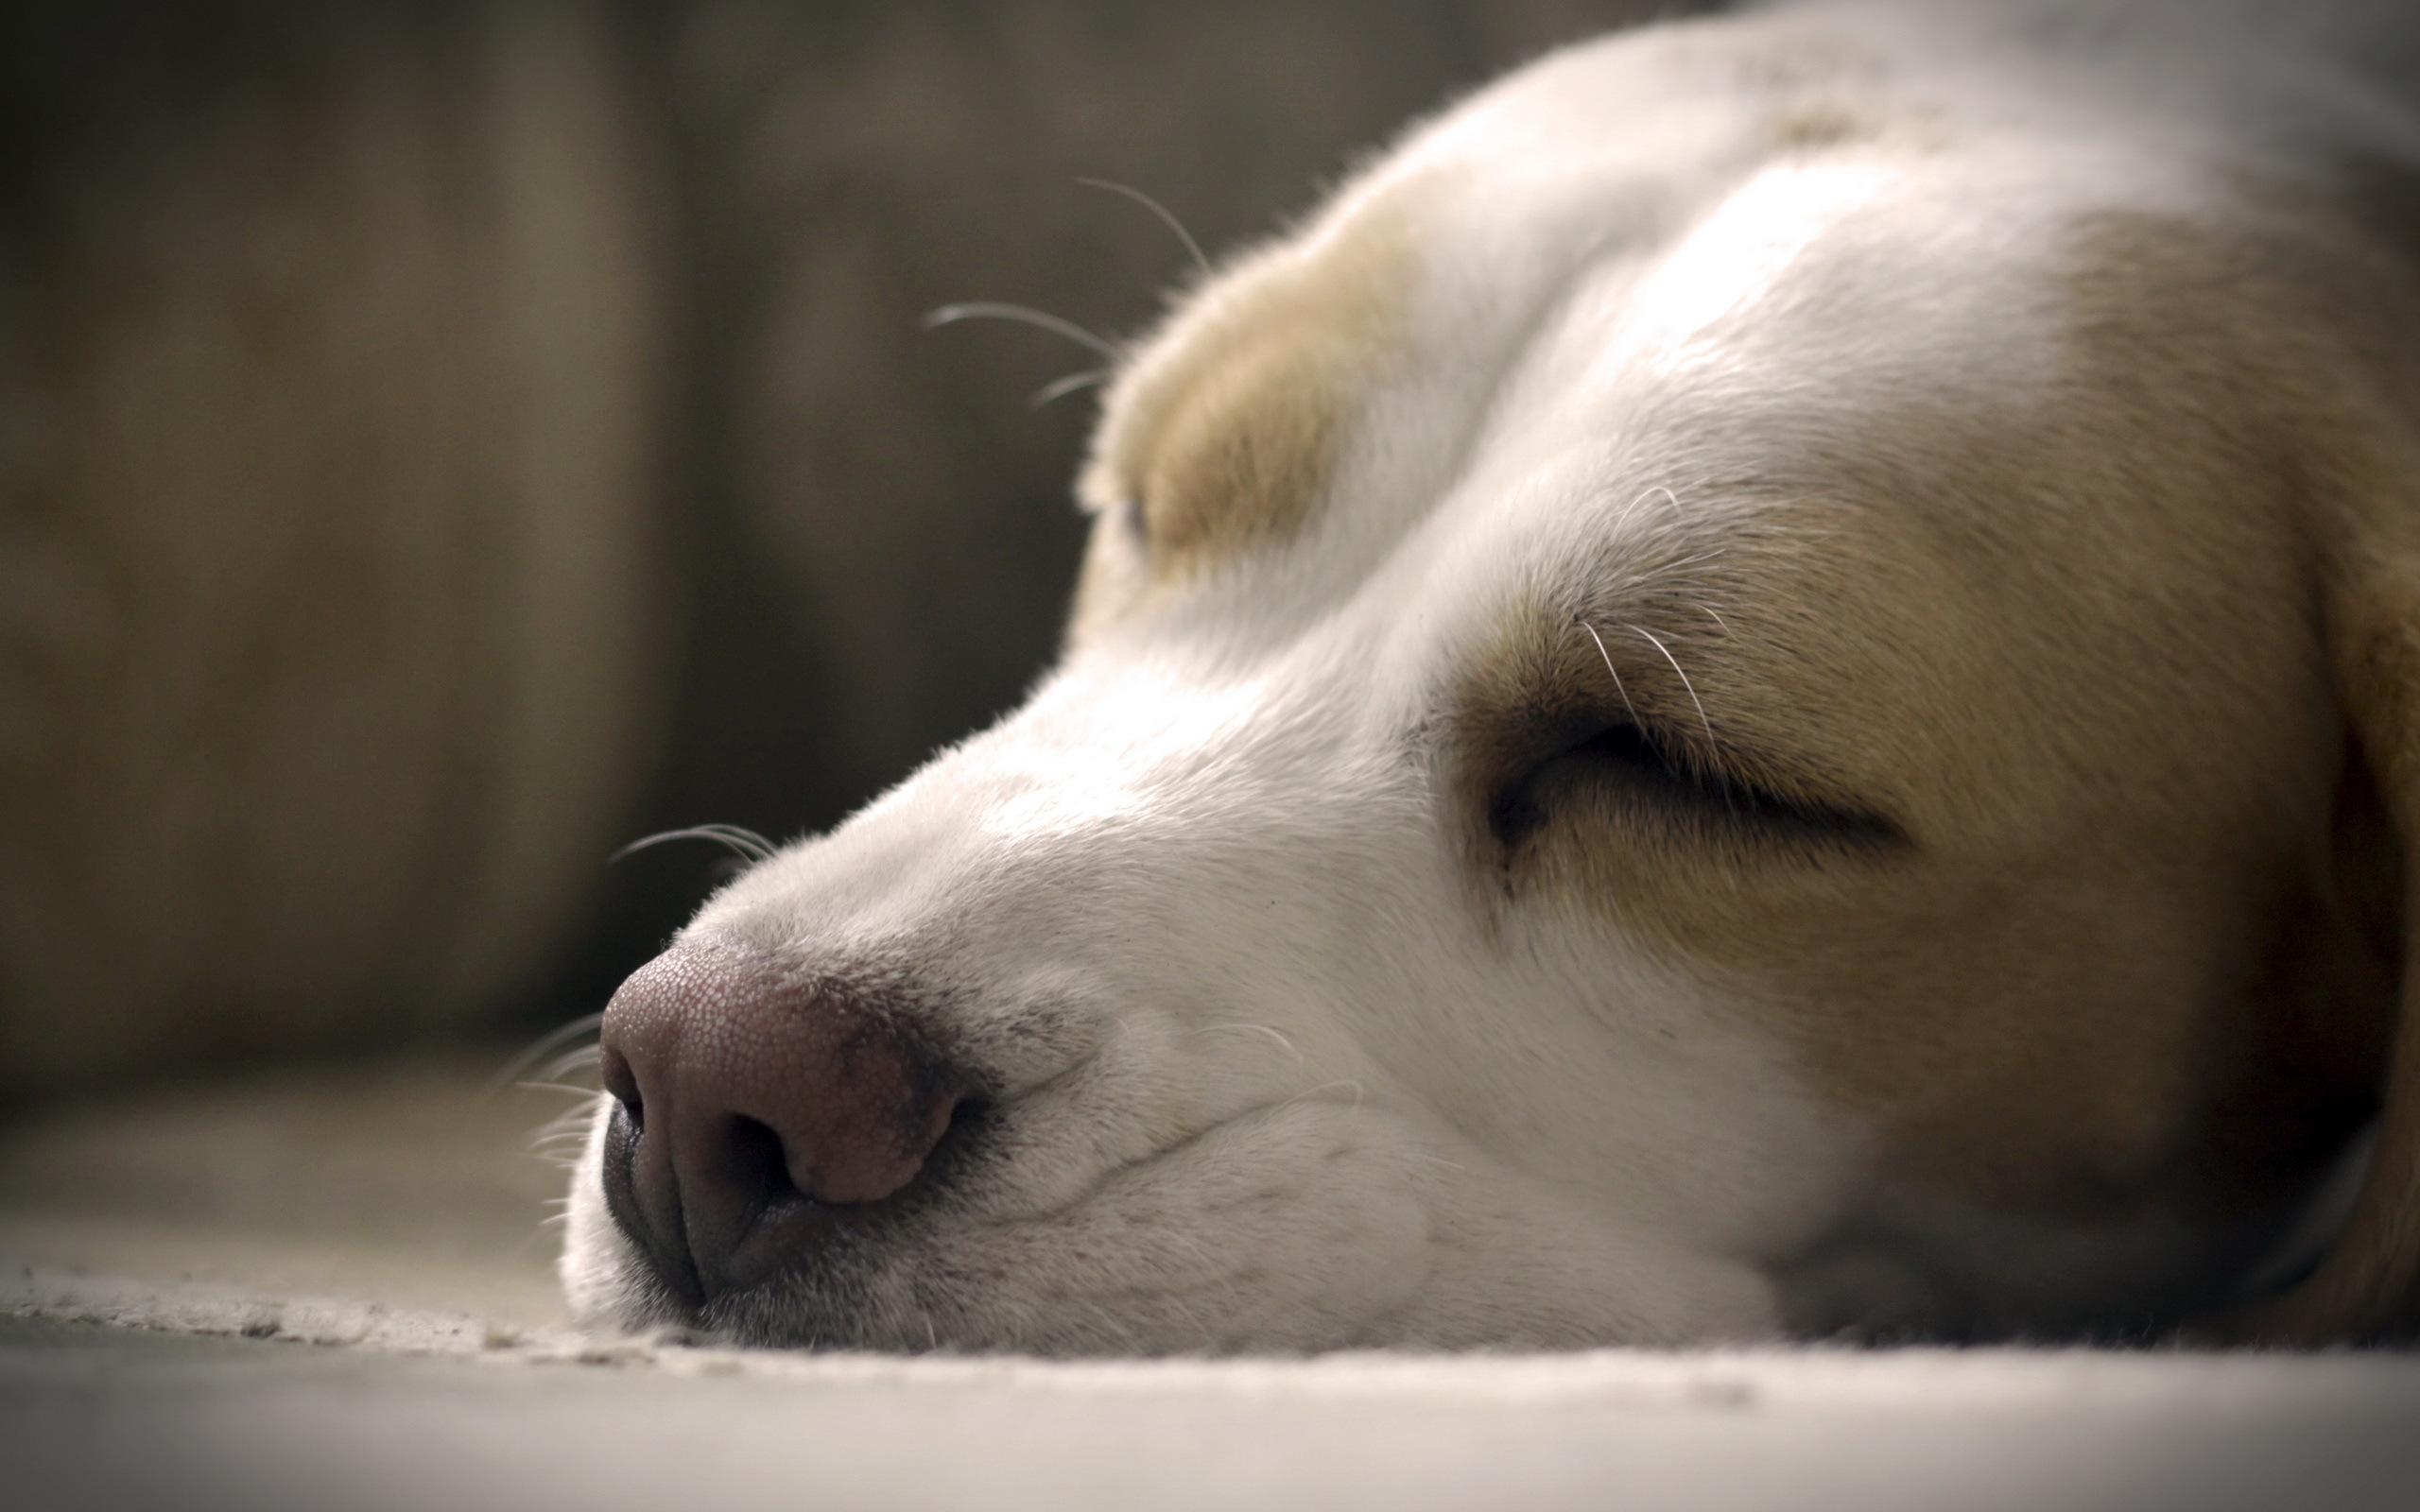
758 1109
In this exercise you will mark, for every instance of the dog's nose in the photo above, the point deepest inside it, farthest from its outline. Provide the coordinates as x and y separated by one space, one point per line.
756 1106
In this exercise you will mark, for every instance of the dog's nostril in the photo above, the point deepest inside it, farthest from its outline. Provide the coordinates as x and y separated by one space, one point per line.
759 1164
621 1082
963 1111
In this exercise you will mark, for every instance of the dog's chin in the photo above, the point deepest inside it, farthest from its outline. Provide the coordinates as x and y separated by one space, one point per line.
1293 1230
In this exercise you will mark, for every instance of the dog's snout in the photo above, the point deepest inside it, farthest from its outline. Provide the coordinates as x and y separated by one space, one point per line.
755 1107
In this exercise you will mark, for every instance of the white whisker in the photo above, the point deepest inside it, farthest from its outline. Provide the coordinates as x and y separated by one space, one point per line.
585 1058
546 1045
993 310
1254 1028
747 843
1703 720
1167 217
565 1088
1714 747
1060 388
1325 1087
1609 667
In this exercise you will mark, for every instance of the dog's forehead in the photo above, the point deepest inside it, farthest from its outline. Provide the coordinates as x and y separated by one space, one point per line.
1472 416
1611 257
1625 273
1672 400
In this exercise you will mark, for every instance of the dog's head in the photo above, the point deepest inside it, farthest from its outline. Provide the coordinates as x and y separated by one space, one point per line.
1725 701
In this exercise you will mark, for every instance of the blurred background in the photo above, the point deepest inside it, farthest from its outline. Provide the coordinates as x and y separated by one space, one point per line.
442 442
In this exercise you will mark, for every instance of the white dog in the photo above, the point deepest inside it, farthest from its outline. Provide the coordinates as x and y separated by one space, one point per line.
1767 684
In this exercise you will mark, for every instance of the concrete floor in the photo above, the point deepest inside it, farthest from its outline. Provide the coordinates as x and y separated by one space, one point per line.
332 1292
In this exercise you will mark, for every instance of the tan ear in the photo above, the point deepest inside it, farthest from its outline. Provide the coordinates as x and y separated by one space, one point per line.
2367 1288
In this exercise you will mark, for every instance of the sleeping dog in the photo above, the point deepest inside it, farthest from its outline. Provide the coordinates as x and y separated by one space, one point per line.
1768 685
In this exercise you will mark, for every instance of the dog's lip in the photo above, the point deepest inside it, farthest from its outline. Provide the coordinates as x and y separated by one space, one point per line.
789 1229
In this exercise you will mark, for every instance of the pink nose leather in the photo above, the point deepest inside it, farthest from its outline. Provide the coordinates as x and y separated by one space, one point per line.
752 1103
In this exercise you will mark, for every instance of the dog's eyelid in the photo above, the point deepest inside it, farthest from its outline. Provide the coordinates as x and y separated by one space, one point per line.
1649 749
1726 786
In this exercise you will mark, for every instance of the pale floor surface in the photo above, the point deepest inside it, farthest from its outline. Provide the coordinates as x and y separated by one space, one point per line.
416 1183
332 1291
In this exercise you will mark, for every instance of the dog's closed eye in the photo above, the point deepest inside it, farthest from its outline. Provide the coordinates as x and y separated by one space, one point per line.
1631 774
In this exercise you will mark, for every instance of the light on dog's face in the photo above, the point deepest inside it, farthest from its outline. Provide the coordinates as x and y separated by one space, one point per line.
1598 793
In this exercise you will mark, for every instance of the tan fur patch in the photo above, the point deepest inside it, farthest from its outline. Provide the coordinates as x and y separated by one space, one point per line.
1223 440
